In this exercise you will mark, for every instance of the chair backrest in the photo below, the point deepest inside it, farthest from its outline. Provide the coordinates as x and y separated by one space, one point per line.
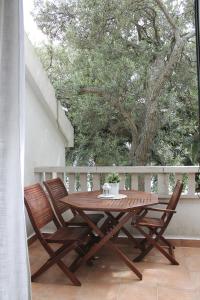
175 196
38 207
166 217
57 190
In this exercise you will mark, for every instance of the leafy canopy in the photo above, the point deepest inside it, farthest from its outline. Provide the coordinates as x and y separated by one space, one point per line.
126 71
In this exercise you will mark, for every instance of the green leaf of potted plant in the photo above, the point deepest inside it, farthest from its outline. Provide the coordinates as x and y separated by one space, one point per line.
113 179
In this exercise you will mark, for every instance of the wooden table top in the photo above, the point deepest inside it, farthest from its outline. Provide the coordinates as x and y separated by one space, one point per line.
89 201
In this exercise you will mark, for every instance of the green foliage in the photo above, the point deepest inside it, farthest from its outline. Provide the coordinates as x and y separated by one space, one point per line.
104 59
113 178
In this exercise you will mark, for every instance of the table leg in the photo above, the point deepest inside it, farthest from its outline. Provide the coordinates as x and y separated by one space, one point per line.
127 233
105 238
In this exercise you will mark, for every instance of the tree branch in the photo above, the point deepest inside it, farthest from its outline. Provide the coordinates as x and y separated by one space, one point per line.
167 15
93 90
116 102
128 118
189 35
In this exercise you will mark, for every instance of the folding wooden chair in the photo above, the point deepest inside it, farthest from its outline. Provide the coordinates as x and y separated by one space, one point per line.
157 227
56 190
71 238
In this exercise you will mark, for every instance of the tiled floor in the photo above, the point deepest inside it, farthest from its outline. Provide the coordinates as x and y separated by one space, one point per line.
110 279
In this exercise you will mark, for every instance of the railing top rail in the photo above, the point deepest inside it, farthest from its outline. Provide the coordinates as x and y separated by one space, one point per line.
122 169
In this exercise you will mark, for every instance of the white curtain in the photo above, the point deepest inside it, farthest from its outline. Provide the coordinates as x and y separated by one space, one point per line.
14 267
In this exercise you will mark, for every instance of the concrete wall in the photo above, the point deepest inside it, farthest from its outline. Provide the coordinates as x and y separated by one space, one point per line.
47 129
186 222
43 143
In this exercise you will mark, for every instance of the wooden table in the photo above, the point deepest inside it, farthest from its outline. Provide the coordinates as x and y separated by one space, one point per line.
126 208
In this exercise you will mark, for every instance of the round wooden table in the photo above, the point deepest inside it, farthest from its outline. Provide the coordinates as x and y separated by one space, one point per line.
89 201
126 208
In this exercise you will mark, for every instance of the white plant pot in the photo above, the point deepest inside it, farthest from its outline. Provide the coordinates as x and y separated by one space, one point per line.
114 188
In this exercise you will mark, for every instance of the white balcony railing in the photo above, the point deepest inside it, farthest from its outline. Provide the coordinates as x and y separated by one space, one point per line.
159 179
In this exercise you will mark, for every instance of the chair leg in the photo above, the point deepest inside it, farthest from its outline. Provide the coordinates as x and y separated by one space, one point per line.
143 254
62 266
80 251
67 272
131 238
144 242
167 242
56 259
154 243
169 245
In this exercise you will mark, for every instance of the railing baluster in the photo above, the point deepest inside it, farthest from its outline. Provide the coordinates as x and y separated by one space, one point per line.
54 175
122 181
147 182
38 177
163 184
134 182
96 182
191 184
83 182
71 183
43 176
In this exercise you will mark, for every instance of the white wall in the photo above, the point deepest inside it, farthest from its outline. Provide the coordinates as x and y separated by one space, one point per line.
186 222
47 129
44 145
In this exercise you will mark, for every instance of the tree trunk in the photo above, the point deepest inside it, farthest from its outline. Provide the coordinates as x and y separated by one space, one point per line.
151 122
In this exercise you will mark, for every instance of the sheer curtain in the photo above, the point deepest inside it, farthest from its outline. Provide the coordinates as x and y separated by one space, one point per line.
14 267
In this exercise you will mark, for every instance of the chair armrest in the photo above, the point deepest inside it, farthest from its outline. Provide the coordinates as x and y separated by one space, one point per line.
163 203
139 216
161 210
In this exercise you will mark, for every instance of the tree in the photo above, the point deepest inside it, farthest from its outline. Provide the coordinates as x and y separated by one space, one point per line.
119 66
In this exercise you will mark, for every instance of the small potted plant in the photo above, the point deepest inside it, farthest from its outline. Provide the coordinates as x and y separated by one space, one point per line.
113 180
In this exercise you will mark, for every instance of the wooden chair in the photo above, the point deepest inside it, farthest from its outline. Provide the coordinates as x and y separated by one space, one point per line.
56 190
40 214
157 227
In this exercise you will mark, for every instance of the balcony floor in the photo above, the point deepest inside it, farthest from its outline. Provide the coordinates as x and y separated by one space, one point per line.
110 279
